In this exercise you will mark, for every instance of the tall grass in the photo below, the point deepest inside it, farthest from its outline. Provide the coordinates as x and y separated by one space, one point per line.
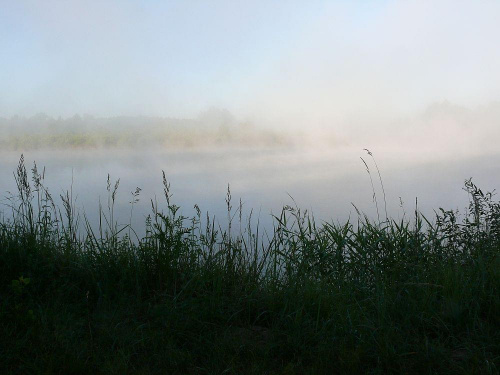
191 297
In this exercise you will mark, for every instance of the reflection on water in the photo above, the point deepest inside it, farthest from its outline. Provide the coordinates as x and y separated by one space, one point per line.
323 182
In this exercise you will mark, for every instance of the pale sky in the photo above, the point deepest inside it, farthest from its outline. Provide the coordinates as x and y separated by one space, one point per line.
304 60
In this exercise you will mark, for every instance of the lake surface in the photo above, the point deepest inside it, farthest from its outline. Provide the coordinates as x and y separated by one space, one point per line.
325 182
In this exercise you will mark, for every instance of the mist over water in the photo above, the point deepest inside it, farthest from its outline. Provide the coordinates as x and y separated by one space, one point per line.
277 100
324 182
234 186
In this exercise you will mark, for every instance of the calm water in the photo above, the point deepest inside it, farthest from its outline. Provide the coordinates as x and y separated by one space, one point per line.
324 182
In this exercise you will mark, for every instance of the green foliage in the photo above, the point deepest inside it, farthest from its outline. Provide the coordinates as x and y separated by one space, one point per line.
89 133
416 296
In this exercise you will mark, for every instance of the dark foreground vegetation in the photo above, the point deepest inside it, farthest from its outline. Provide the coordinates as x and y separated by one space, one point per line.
415 296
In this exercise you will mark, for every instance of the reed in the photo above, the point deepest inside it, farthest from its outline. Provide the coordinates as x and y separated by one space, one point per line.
191 297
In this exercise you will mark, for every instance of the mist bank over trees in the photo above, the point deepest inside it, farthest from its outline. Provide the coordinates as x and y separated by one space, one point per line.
441 130
213 127
452 129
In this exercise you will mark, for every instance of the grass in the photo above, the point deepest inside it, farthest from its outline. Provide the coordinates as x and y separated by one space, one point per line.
413 296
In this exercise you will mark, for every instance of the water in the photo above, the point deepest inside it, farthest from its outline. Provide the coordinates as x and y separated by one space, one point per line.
325 182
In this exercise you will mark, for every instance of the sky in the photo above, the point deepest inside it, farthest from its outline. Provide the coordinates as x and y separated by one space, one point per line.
279 61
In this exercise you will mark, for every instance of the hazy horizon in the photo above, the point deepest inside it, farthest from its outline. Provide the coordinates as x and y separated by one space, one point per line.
441 131
270 97
294 64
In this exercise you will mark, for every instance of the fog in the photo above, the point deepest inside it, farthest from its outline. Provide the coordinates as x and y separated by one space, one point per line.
287 63
277 99
442 131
